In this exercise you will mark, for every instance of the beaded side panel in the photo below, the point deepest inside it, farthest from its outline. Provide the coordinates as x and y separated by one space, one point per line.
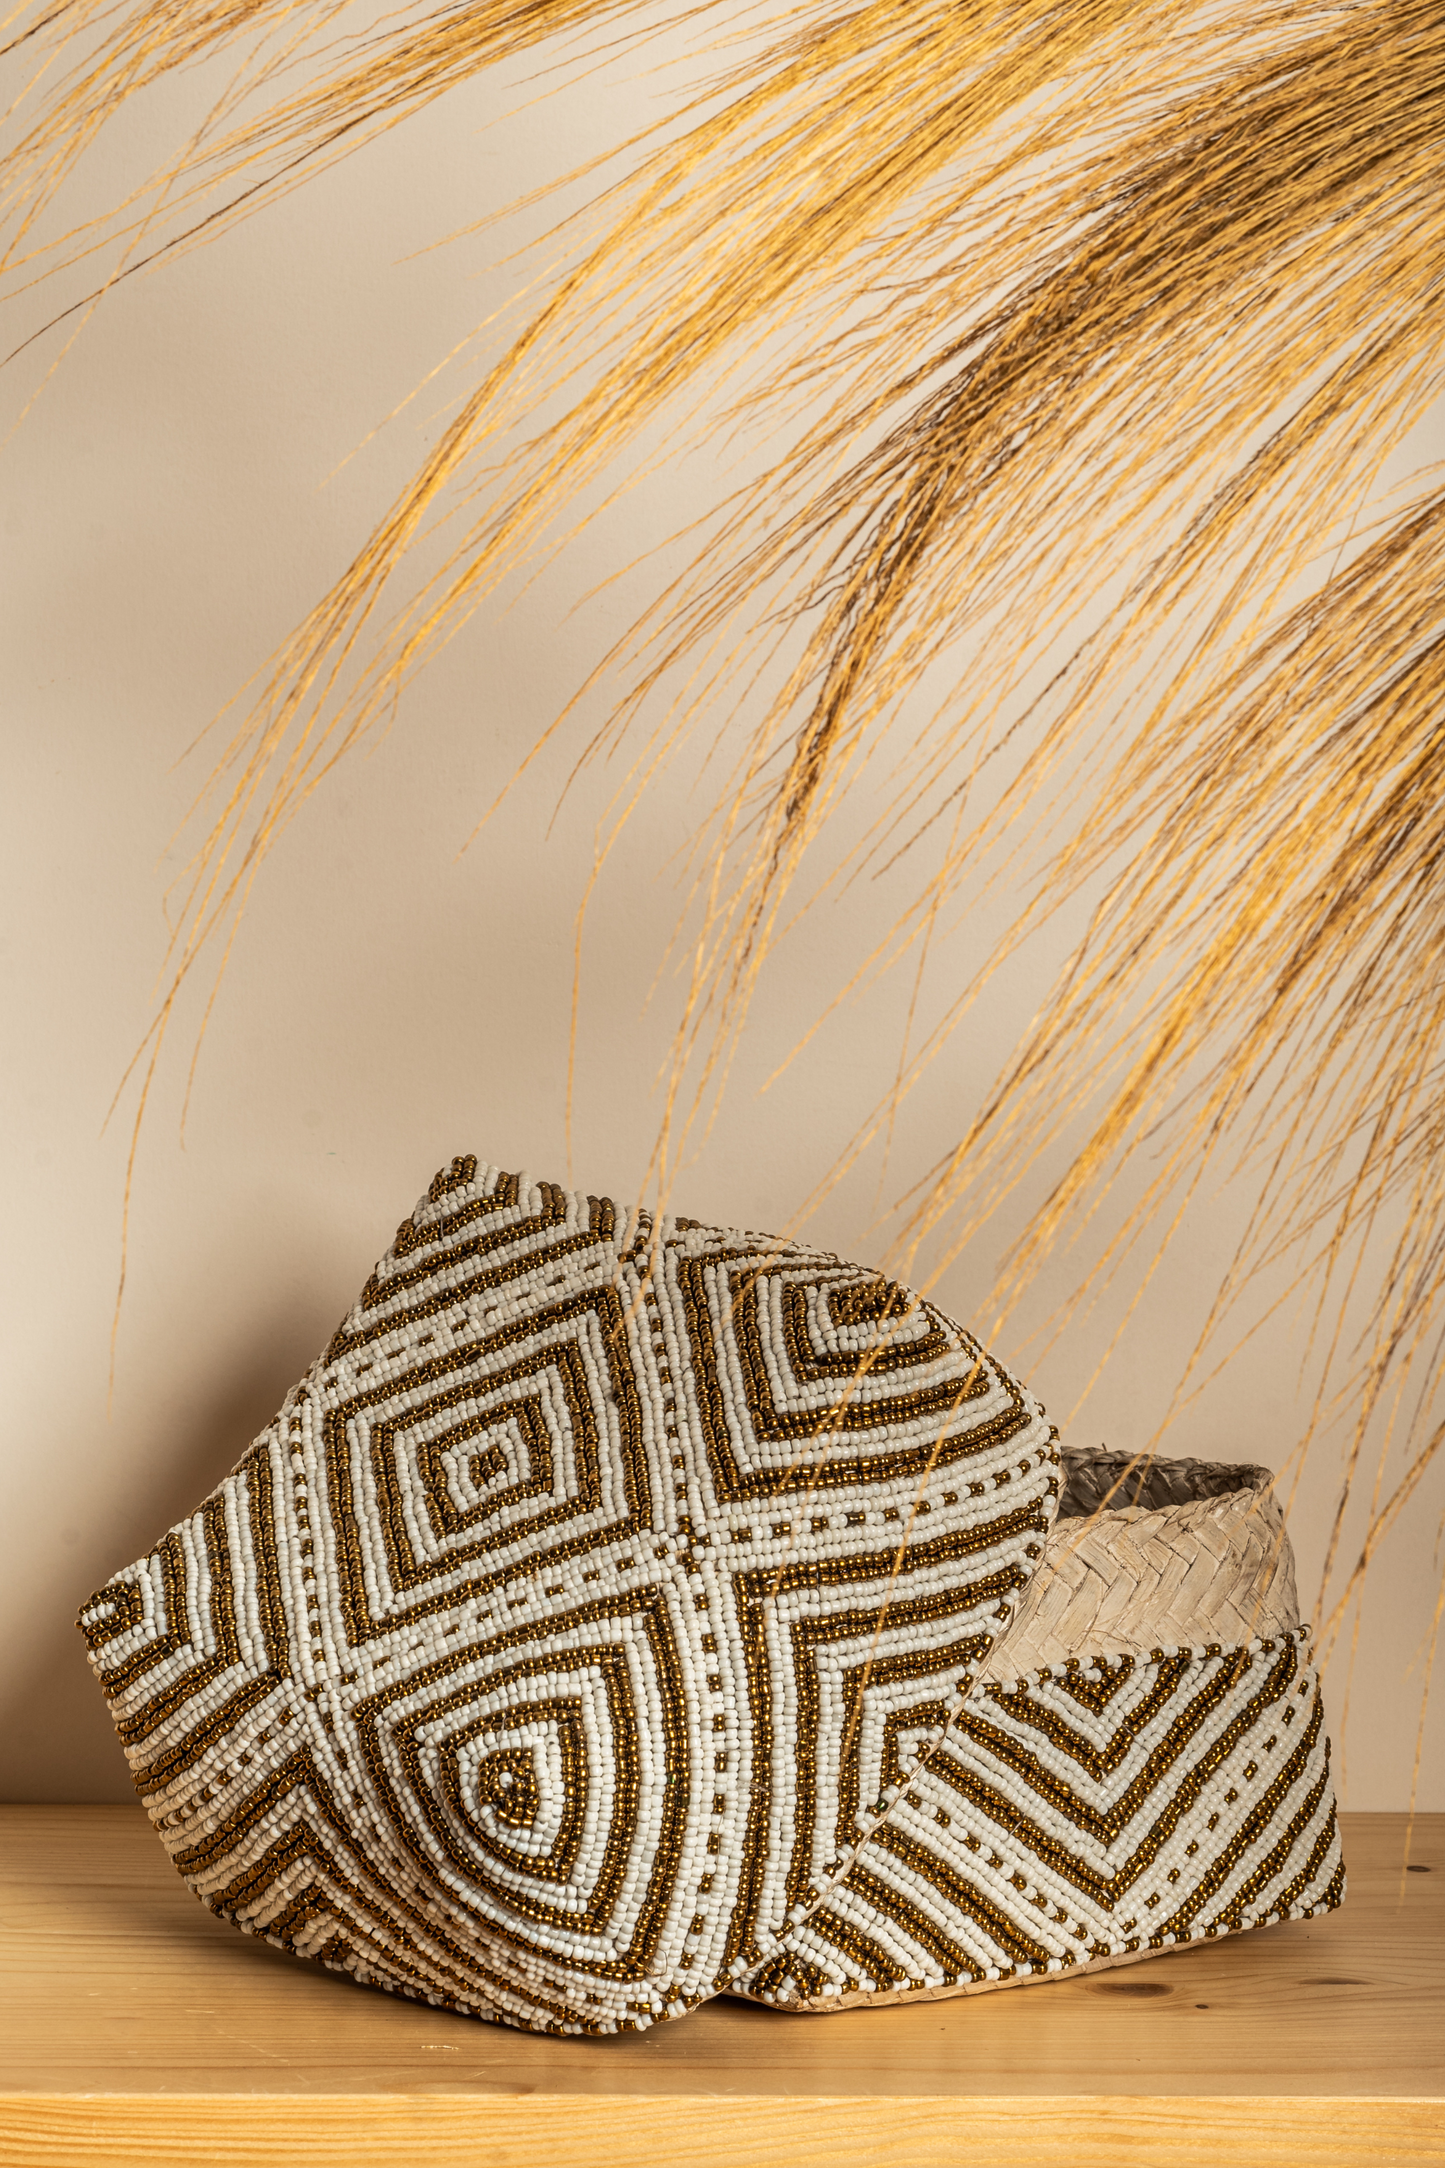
1096 1811
522 1663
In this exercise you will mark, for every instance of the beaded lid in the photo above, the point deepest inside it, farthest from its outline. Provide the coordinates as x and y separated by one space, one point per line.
583 1612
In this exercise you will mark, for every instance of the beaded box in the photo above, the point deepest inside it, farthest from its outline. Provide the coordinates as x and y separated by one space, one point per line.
622 1613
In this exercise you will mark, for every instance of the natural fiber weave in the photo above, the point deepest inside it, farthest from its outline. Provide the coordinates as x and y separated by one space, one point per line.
1207 1563
1096 1480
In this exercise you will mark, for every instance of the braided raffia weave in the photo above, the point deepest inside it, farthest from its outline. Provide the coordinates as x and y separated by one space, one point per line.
618 1614
1206 1559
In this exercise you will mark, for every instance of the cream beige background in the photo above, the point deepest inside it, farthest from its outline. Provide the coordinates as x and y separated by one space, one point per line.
184 485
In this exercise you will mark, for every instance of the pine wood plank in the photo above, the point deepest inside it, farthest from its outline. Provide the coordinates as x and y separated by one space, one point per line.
561 2131
137 2029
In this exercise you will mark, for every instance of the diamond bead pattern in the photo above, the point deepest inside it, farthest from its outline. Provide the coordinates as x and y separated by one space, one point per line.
548 1657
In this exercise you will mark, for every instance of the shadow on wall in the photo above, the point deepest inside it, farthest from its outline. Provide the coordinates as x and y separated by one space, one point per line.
60 1743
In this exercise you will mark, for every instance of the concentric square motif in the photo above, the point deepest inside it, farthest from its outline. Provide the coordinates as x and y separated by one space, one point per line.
612 1617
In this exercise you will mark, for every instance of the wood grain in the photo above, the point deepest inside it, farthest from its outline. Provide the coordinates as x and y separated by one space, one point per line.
559 2131
138 2030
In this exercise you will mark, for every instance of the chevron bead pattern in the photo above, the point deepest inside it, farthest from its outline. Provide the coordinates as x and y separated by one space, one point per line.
1079 1816
556 1654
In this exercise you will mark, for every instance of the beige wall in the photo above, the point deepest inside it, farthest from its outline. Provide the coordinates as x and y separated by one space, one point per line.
169 509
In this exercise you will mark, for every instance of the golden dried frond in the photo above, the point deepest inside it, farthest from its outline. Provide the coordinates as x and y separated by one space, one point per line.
1245 309
1180 194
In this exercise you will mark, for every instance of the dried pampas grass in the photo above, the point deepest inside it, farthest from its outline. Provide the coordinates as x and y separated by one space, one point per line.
1102 321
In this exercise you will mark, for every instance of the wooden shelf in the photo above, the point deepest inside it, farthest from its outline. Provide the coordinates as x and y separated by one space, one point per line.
138 2030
